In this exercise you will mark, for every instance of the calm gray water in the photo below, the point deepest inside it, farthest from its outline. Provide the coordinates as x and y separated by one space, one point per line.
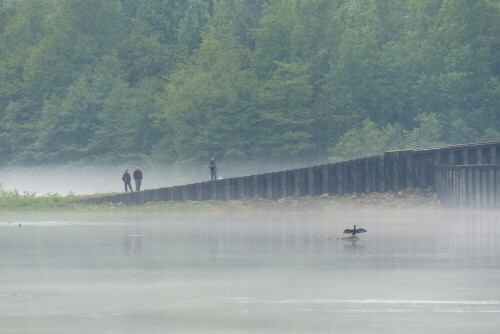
411 273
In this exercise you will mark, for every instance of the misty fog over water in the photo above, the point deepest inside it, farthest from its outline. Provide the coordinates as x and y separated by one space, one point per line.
427 272
81 180
105 179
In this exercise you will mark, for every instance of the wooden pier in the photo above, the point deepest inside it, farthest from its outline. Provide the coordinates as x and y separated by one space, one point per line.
462 175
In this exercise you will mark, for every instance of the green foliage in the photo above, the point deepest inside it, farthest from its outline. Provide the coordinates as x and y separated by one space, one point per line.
207 103
368 140
427 133
27 202
285 115
490 134
177 81
13 200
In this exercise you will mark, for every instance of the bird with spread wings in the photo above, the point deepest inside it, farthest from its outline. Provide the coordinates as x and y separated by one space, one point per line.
354 231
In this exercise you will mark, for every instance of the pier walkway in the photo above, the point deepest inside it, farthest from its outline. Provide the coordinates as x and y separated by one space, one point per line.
462 175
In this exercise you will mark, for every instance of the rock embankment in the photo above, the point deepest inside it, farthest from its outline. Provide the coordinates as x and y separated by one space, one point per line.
402 199
407 198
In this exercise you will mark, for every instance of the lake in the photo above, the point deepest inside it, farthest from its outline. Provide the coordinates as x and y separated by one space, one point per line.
412 272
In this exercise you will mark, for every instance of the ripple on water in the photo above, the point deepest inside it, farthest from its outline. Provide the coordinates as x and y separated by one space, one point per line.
54 223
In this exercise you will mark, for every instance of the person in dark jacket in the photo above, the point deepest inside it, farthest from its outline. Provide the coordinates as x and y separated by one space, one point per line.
126 179
137 178
213 169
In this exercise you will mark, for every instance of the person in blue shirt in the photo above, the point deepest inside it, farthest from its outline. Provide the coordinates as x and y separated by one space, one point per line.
213 169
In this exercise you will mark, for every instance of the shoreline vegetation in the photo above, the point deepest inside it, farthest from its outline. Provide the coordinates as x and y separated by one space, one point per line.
11 201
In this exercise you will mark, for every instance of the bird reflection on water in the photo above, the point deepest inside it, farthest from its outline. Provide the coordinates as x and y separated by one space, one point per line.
353 244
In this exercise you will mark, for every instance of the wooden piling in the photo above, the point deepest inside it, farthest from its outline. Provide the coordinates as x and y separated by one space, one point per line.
469 178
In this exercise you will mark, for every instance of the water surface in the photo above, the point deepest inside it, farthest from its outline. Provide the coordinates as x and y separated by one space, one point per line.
275 273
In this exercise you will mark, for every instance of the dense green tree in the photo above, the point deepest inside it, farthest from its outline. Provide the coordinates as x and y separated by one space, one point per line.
175 20
175 81
69 124
143 57
368 140
286 129
191 25
427 133
208 106
124 130
273 36
24 29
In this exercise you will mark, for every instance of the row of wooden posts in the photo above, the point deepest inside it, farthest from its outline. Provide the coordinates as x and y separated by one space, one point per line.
392 171
476 186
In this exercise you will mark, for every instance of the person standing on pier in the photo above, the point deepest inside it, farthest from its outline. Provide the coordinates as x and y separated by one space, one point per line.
137 178
213 169
126 179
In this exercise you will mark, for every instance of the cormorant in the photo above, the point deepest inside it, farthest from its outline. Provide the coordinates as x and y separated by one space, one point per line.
354 231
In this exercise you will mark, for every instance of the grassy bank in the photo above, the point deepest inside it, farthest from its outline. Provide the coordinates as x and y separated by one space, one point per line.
13 201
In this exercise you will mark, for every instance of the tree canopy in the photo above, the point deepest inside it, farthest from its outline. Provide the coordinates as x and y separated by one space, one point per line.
178 81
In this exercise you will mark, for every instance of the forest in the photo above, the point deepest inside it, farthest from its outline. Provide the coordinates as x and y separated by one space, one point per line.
177 81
